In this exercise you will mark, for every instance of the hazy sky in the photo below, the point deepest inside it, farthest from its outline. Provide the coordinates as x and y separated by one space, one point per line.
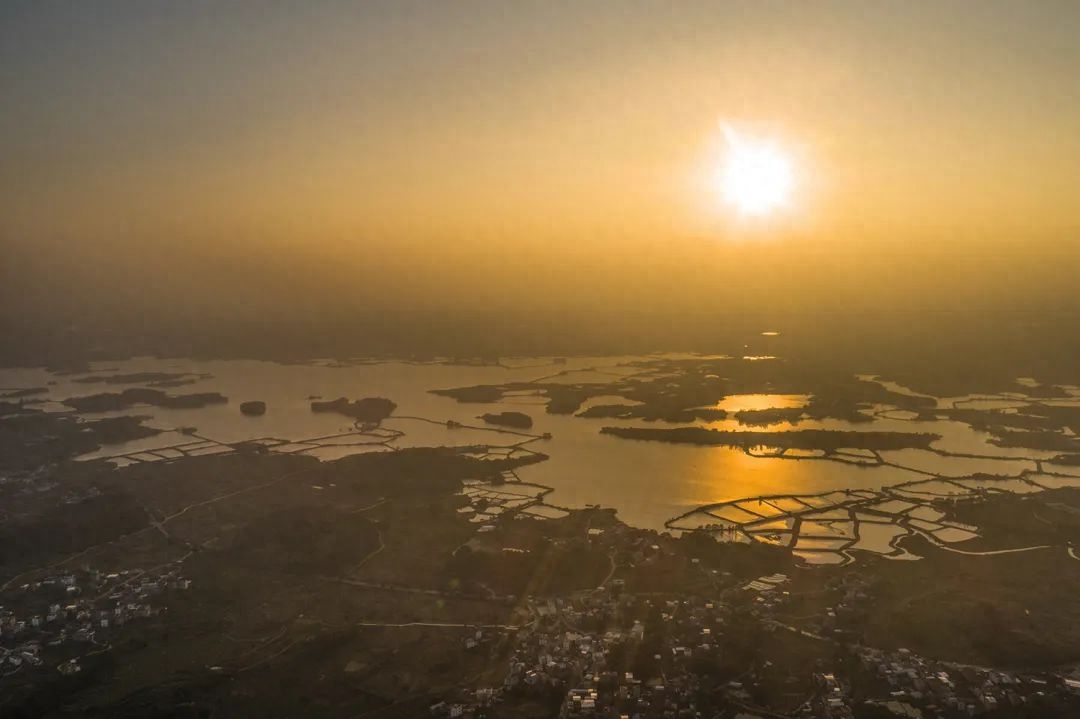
574 139
352 121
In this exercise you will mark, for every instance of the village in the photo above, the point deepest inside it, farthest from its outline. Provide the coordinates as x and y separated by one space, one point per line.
733 645
50 624
671 657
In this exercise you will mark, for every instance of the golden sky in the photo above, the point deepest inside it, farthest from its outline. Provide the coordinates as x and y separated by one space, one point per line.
484 128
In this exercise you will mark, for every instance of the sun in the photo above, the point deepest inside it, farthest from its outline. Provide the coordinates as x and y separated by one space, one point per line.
756 176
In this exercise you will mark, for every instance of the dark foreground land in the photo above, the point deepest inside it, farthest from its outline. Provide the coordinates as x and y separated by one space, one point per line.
254 584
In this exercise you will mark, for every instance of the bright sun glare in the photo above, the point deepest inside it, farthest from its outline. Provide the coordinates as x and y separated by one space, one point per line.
756 176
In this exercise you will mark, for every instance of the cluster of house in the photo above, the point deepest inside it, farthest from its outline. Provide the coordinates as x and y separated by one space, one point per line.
768 593
577 648
911 685
832 702
57 618
624 695
574 652
943 688
472 702
566 653
556 659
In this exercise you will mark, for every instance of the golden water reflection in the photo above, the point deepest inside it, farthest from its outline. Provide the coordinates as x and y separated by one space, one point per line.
755 402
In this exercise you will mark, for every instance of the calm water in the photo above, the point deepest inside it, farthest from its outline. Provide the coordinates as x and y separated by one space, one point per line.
647 482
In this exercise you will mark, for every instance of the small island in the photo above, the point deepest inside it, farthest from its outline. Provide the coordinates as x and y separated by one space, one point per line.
153 379
254 408
112 401
516 420
368 409
766 417
809 439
